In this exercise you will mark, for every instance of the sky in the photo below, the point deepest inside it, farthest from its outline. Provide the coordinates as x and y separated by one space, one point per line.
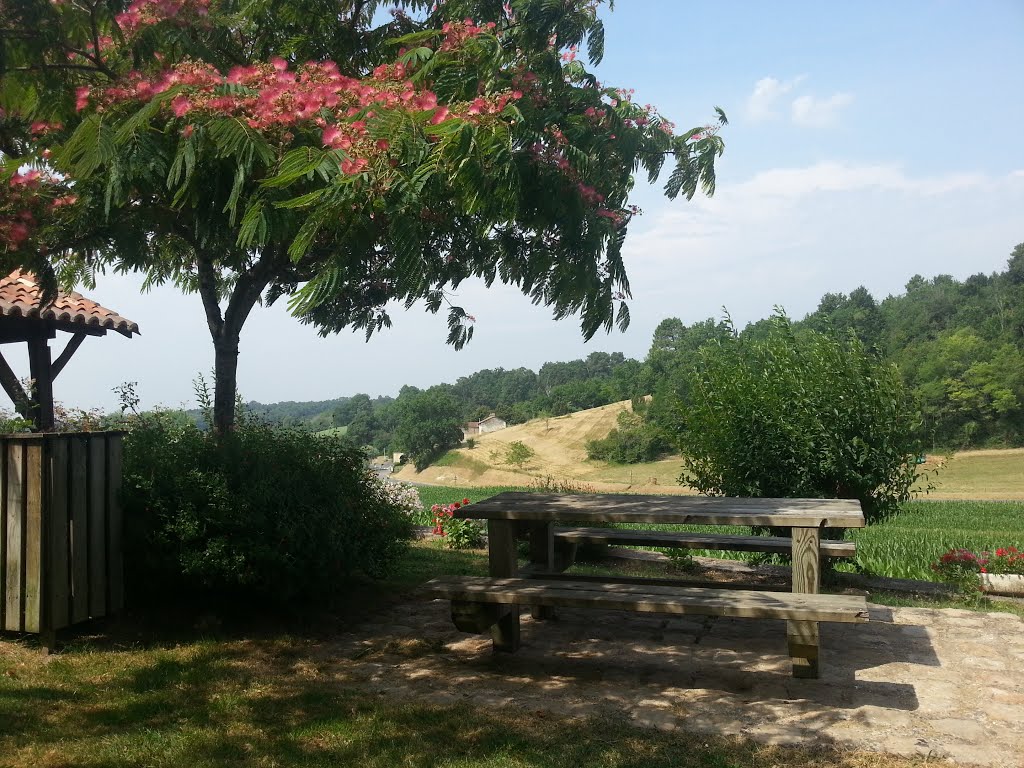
868 142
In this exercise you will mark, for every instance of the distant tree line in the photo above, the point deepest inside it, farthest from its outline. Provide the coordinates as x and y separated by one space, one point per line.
959 346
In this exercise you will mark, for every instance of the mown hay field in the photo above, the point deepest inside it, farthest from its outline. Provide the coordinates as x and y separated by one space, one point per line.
559 453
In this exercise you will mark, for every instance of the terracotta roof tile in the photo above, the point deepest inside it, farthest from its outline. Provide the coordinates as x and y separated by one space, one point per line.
20 295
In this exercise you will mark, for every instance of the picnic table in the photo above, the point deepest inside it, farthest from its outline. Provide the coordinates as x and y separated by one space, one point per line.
493 603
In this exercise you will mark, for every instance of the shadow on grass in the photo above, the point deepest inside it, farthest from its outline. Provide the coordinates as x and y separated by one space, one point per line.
207 705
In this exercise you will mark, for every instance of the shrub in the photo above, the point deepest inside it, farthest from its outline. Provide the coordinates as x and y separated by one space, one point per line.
631 442
457 533
518 453
799 415
551 484
401 495
264 512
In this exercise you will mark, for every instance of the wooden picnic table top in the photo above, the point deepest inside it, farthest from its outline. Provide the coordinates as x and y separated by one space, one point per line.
678 510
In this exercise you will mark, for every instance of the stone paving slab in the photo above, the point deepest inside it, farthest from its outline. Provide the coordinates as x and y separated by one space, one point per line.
944 683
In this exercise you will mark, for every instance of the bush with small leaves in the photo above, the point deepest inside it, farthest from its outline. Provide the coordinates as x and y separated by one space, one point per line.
262 513
799 414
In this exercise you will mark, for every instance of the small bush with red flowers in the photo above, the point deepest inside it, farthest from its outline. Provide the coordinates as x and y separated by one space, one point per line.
456 532
962 566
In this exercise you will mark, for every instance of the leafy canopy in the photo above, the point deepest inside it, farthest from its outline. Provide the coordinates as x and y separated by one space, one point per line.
319 150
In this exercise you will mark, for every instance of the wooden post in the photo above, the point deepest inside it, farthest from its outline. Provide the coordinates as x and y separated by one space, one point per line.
42 378
502 559
802 636
14 494
58 611
542 557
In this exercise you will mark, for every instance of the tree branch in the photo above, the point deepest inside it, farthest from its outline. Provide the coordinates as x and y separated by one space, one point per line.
208 293
86 67
248 289
9 381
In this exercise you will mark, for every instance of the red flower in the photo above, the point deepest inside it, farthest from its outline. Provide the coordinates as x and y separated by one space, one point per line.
465 502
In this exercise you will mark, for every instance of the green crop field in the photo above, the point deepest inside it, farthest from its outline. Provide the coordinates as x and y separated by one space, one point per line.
902 547
905 546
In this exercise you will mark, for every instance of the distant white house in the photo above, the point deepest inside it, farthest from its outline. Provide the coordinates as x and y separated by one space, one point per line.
491 424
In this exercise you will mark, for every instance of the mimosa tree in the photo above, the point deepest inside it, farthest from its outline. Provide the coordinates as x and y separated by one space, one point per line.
322 151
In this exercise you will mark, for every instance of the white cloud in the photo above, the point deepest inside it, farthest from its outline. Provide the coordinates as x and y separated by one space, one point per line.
842 177
818 113
788 235
762 103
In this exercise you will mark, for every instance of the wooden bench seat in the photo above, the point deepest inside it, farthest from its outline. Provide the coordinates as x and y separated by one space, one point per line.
480 604
647 598
731 542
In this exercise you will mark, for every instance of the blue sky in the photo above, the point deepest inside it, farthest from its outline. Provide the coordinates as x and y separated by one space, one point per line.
868 142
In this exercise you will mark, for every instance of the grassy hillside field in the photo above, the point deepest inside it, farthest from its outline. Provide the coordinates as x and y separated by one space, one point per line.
559 446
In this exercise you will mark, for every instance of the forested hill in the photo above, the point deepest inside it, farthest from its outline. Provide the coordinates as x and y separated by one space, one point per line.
958 343
314 414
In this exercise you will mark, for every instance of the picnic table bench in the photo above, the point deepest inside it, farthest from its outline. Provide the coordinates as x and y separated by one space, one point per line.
493 603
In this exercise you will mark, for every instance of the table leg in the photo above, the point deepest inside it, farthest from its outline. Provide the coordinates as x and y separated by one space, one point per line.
502 559
802 636
542 556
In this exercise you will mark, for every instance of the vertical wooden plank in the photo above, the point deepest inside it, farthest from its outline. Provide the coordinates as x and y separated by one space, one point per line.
40 369
79 545
3 531
15 544
59 556
33 521
115 530
802 636
542 556
806 560
97 525
503 563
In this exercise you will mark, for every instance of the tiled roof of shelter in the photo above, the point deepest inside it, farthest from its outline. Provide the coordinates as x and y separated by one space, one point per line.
20 296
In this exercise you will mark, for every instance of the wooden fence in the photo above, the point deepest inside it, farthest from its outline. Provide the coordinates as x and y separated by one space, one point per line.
60 529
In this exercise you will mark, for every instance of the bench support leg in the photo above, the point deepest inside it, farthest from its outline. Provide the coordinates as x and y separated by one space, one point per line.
802 636
475 618
542 556
803 640
503 564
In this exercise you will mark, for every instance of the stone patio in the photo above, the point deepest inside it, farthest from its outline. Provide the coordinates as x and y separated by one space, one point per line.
945 683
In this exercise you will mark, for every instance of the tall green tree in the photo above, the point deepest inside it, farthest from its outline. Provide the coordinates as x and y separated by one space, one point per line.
799 414
321 151
429 423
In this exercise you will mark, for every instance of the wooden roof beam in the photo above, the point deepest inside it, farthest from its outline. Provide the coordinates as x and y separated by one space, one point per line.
73 344
12 386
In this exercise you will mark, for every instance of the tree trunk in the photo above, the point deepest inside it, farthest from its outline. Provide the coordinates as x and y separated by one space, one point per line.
225 385
226 328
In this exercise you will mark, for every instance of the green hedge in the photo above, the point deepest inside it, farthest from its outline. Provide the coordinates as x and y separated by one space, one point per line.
265 513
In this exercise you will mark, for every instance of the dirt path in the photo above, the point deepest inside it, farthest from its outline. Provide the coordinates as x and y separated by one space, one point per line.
946 683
